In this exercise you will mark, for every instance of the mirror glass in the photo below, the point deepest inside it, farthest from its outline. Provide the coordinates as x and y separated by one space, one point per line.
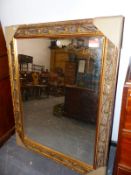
60 80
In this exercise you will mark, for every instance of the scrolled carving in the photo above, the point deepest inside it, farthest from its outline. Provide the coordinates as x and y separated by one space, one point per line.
59 157
106 107
63 28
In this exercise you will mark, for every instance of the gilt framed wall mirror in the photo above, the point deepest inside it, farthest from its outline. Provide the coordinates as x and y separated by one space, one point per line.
63 78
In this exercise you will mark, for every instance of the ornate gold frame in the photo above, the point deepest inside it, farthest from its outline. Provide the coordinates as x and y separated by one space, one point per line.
107 90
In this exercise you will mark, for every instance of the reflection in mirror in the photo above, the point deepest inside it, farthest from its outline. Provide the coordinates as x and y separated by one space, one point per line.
60 81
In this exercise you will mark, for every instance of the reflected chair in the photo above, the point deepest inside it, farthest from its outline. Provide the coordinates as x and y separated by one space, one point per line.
56 82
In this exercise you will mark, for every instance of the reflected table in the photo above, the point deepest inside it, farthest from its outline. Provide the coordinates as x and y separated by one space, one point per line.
31 91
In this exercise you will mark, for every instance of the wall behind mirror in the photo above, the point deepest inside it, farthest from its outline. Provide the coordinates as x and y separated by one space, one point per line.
59 80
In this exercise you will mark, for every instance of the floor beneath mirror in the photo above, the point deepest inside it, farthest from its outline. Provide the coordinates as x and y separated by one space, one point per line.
15 160
69 136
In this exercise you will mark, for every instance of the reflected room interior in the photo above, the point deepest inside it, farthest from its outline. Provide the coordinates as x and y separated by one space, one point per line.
60 80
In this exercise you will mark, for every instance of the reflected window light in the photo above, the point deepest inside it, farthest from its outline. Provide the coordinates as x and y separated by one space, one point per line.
94 43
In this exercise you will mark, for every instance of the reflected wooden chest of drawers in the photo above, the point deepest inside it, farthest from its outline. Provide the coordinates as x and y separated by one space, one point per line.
70 72
80 103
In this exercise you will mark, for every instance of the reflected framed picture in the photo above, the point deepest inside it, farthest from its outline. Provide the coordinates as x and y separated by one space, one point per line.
81 65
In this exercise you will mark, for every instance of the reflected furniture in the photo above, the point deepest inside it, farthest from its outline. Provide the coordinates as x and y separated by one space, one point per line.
56 82
58 58
70 72
24 61
33 78
80 103
123 155
6 107
29 90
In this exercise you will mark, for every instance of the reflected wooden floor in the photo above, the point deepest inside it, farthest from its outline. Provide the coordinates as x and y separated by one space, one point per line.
69 136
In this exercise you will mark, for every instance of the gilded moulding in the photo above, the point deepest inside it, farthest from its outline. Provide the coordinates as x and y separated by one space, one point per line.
110 61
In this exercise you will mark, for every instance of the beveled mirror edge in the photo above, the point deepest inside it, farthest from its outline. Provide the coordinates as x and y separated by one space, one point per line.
104 122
